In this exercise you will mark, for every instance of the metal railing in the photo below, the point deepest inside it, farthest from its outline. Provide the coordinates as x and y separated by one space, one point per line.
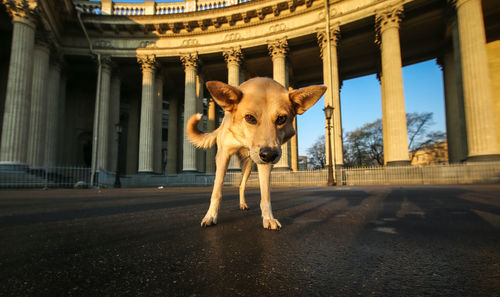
69 177
44 177
152 8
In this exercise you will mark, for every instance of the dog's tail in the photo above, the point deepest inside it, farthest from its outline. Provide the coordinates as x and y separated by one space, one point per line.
198 138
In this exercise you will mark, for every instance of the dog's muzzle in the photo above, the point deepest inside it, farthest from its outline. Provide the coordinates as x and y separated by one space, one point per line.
268 155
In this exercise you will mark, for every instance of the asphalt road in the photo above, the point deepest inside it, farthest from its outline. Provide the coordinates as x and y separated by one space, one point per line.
367 241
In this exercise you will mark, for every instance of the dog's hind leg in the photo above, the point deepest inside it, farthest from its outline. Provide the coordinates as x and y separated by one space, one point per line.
246 168
221 162
268 220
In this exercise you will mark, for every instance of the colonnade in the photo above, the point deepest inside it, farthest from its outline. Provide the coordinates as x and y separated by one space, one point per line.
35 98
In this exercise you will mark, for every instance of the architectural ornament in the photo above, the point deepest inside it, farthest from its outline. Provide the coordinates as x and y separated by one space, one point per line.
389 18
22 9
189 60
334 38
233 55
102 44
278 48
232 36
148 62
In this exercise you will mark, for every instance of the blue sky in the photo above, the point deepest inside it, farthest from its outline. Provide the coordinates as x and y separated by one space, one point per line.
361 102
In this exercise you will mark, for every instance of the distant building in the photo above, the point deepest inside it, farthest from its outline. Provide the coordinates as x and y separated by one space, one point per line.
433 154
302 162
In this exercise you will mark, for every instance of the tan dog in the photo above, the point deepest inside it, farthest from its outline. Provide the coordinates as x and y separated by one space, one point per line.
258 119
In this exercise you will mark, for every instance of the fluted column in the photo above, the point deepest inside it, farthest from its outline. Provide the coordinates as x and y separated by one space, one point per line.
38 112
53 102
190 62
114 116
15 129
147 122
332 98
104 119
210 157
233 57
393 107
278 50
158 117
454 98
478 99
173 118
200 154
133 136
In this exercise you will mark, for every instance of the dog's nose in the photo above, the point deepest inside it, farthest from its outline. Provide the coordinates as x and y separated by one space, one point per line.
268 155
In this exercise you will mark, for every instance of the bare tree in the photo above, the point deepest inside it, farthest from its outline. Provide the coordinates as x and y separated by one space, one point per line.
316 154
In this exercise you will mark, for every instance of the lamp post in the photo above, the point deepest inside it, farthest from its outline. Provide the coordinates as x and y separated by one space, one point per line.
118 129
328 116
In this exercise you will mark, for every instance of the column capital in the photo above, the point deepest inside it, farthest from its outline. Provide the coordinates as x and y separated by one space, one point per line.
21 10
387 18
189 60
278 48
233 55
334 37
148 62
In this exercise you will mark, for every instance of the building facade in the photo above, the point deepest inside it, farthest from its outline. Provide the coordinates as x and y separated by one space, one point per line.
71 71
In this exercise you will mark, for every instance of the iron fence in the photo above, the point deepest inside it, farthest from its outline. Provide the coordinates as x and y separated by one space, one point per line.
44 177
68 177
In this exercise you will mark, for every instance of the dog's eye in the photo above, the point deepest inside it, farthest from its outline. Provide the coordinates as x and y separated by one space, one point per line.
281 120
250 119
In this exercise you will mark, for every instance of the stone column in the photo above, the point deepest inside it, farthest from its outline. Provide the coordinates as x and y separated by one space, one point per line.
332 98
210 156
133 136
36 138
200 154
173 117
15 128
294 149
393 103
190 62
147 124
278 50
53 101
478 99
103 135
233 57
454 98
158 117
62 138
114 115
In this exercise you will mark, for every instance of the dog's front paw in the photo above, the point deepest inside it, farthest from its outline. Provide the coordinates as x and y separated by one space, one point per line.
243 206
208 220
271 224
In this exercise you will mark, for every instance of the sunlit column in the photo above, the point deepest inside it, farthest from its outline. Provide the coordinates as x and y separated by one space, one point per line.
233 57
278 50
147 122
15 129
478 99
190 62
393 107
332 95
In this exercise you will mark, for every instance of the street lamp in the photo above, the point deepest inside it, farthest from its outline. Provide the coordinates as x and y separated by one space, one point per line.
328 115
118 129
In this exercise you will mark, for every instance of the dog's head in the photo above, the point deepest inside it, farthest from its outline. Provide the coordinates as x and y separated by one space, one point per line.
262 113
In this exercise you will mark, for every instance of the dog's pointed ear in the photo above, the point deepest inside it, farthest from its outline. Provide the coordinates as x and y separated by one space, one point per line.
225 95
304 98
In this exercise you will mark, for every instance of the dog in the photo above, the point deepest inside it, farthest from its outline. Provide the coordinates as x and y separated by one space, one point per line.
258 119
